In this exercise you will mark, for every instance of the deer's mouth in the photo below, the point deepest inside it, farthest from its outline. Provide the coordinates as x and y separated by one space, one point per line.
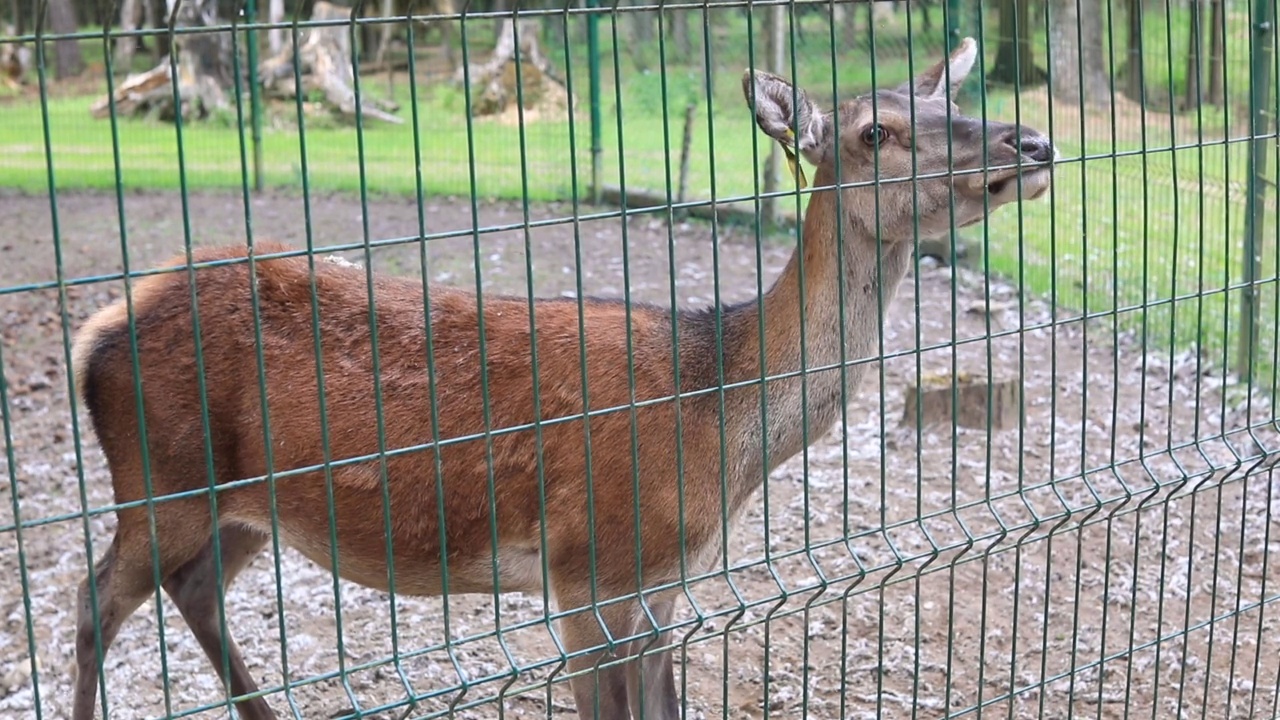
1029 183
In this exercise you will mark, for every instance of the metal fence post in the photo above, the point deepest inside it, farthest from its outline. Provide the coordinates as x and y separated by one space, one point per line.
255 98
1259 96
593 64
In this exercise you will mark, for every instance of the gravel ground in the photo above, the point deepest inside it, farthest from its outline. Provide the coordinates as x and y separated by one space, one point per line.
1076 567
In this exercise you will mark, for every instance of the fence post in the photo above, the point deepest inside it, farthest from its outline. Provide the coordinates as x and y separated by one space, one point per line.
593 64
1256 202
255 98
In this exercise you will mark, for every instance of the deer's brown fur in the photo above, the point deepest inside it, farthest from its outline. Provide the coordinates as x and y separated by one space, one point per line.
494 483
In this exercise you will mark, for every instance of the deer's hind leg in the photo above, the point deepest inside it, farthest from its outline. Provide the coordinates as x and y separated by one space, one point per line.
123 578
194 589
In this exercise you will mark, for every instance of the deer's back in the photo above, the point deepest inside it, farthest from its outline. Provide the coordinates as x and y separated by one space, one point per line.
482 467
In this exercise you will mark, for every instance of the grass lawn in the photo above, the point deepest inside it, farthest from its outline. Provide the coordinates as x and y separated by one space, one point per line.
1157 236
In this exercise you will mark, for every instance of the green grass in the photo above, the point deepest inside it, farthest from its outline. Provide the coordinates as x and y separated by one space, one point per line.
83 156
1158 242
1108 239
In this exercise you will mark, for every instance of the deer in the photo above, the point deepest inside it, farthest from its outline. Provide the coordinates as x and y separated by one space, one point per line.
566 475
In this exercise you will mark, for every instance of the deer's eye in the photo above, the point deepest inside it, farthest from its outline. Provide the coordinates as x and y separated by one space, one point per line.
875 135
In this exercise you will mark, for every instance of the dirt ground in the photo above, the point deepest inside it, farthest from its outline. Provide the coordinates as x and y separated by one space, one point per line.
1112 558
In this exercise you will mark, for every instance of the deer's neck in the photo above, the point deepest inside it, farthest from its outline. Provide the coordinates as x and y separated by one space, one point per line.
822 322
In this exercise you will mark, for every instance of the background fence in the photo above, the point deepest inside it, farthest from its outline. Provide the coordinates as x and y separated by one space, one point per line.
1110 555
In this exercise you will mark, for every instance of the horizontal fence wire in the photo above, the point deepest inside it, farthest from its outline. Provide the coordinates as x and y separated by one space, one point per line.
943 446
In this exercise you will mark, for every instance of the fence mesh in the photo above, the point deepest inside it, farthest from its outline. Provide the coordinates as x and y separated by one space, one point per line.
1045 490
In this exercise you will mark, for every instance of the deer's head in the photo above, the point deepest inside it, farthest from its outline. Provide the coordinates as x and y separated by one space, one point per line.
878 135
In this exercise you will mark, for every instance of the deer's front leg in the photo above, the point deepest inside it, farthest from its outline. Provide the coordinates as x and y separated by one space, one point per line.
600 693
651 681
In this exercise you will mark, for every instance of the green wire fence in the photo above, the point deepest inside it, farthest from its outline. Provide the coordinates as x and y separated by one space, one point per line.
1052 494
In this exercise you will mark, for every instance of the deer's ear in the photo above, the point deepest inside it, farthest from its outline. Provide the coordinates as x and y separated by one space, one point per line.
933 83
782 108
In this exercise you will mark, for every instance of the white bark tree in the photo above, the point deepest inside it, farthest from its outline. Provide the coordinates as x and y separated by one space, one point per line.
275 36
1075 40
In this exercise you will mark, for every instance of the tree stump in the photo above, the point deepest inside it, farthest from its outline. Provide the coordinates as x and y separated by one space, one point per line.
493 84
971 393
205 71
324 61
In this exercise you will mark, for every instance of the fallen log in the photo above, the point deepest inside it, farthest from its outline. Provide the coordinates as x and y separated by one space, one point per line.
138 93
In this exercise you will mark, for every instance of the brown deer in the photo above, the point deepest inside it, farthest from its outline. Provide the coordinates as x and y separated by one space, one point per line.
446 494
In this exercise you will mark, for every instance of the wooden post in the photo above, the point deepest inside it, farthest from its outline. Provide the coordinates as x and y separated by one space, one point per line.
685 148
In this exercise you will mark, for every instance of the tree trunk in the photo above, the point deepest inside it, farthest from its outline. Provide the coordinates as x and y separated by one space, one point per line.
1134 74
384 43
89 10
642 24
849 26
275 36
499 25
385 30
1068 33
449 34
1097 80
1214 95
1014 63
205 70
493 84
62 19
1195 40
678 21
325 58
204 59
1064 52
642 32
153 18
130 17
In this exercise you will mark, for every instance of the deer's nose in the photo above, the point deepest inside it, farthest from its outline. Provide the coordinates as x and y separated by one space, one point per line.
1028 143
1036 147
